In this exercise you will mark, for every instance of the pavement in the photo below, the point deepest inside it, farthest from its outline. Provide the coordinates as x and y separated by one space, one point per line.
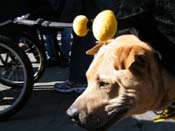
46 110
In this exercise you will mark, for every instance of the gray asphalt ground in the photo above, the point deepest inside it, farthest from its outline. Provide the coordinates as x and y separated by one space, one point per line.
46 111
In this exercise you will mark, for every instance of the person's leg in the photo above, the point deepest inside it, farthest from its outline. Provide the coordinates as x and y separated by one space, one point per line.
79 60
66 41
79 64
50 44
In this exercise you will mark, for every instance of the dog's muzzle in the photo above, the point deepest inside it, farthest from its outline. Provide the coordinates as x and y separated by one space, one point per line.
73 114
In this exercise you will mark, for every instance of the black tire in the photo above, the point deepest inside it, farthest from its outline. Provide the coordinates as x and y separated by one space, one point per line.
38 51
13 99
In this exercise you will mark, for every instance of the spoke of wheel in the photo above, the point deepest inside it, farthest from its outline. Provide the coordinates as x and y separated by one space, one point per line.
6 58
1 59
30 48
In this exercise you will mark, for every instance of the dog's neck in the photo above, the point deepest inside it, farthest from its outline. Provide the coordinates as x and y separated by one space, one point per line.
168 85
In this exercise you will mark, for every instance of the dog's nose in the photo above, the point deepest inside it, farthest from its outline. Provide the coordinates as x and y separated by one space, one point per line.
73 114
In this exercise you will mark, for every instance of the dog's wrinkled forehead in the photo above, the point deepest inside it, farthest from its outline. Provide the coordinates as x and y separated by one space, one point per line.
124 52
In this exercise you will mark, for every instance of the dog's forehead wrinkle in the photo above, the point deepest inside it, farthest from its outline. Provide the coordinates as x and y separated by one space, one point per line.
113 105
99 64
125 79
123 101
131 92
106 77
106 72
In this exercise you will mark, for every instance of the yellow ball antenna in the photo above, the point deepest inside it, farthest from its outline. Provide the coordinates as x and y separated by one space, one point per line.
80 25
104 25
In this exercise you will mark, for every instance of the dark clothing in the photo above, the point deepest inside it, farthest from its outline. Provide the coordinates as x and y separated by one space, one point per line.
71 9
10 9
79 60
155 22
89 8
162 11
13 8
148 32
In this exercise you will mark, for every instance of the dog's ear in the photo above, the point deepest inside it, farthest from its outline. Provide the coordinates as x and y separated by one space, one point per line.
139 64
95 49
132 58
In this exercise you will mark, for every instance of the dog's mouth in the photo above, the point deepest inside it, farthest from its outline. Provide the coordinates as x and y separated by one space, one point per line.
116 114
115 117
120 112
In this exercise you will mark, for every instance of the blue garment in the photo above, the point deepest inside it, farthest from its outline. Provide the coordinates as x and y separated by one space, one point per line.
52 46
66 41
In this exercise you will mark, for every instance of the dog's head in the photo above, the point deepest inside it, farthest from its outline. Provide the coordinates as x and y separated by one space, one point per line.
122 81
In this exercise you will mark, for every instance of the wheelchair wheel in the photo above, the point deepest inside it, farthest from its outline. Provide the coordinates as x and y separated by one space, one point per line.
36 54
16 78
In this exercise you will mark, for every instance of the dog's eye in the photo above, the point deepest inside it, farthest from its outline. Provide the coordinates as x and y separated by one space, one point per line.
103 84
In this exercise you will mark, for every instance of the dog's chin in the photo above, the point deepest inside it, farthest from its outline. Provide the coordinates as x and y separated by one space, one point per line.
116 117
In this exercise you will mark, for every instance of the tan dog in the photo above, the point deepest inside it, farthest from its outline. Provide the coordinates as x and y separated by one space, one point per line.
124 78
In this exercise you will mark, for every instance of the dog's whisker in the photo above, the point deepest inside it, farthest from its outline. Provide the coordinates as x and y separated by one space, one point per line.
116 108
123 102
